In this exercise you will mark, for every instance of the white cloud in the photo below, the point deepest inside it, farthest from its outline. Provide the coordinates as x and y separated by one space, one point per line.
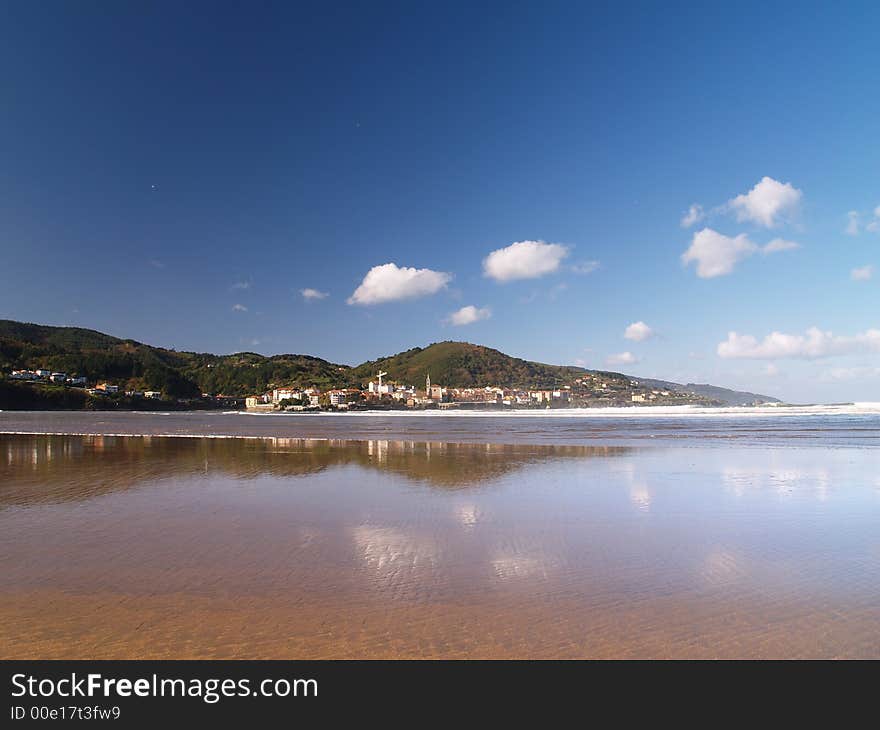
388 283
241 285
717 254
524 260
863 273
621 358
239 308
469 315
813 344
585 267
768 203
310 294
638 331
852 223
779 244
694 215
770 370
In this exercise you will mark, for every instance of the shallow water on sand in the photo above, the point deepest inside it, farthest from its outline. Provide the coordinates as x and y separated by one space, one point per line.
146 546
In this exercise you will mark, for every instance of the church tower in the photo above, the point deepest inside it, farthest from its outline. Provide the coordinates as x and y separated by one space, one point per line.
428 385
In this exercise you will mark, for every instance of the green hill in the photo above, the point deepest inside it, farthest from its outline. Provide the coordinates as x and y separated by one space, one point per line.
177 374
461 364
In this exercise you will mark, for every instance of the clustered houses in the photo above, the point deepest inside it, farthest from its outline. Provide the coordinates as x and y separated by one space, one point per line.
42 376
589 390
49 377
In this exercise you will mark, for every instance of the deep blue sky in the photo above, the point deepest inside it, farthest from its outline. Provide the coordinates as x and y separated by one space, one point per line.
160 165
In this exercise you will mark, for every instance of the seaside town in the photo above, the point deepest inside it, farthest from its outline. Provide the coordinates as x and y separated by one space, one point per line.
106 391
589 390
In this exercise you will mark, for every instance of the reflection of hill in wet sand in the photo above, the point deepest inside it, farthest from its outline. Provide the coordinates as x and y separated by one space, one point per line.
60 468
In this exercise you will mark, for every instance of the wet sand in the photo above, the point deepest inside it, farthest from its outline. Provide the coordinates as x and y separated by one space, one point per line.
155 547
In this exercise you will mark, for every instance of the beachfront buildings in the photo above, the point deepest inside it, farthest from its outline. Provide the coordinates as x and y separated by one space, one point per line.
280 394
391 395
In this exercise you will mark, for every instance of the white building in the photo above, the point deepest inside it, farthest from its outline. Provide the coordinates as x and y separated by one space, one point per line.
342 397
280 394
24 375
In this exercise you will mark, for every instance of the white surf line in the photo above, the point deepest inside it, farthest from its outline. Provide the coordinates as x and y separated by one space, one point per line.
859 409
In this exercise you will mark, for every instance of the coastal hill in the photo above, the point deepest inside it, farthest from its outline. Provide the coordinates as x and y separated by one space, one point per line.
462 365
99 356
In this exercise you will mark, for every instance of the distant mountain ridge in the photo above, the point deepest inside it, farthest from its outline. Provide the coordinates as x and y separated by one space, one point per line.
185 374
726 395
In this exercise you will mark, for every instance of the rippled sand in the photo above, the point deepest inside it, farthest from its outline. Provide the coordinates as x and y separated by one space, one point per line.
152 547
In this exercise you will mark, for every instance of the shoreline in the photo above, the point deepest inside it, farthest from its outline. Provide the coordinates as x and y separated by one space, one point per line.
829 409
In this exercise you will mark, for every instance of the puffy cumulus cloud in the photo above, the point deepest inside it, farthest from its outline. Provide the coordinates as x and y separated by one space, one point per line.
694 215
311 295
769 203
874 225
813 344
638 331
779 244
524 260
862 273
621 358
469 315
718 255
239 308
390 282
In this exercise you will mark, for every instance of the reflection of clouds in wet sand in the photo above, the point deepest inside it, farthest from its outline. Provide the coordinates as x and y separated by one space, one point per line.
822 475
640 495
511 567
785 482
389 551
722 566
526 557
468 515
